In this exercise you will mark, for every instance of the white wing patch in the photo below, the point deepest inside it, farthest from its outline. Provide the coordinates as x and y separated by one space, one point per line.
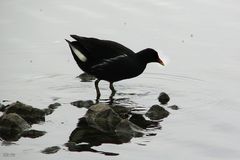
79 54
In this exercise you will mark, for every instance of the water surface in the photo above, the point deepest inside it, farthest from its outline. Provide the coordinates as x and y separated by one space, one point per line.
198 40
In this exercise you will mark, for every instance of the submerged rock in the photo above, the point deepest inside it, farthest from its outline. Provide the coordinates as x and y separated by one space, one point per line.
82 104
27 112
128 130
163 98
157 112
51 108
140 121
33 133
12 126
51 150
174 107
85 77
48 111
54 105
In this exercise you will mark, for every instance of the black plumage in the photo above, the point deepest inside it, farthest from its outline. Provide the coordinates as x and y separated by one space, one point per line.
109 60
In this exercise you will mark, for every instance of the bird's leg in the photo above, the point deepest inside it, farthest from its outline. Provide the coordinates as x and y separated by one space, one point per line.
113 90
97 90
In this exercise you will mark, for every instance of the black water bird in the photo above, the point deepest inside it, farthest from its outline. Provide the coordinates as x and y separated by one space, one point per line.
110 61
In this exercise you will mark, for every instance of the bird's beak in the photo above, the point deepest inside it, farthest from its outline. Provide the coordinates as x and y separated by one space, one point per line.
160 61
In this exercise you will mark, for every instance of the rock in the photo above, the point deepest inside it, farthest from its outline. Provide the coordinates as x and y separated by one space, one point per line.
126 130
174 107
102 117
48 111
82 122
85 77
87 134
163 98
27 112
11 126
33 133
2 107
122 111
140 121
54 105
101 124
83 104
157 112
51 108
51 150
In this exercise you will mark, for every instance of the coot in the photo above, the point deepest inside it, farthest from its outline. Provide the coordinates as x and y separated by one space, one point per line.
108 60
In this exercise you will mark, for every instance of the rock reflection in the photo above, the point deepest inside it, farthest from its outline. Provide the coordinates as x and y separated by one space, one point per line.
87 148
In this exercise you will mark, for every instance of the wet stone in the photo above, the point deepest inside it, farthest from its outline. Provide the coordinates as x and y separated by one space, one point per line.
85 77
82 104
163 98
51 150
87 134
122 111
101 124
174 107
102 117
54 105
82 122
140 121
11 126
2 107
27 112
128 130
157 112
48 111
33 133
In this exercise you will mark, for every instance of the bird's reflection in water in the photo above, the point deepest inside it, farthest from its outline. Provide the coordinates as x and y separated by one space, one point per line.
85 136
112 100
118 101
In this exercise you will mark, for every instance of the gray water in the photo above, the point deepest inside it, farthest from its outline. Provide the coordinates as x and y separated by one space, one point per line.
198 41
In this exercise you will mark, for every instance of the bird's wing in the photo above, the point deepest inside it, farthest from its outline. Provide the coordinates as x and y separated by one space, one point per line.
117 68
102 49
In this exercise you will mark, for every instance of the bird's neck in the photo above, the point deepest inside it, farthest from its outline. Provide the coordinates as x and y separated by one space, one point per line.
143 57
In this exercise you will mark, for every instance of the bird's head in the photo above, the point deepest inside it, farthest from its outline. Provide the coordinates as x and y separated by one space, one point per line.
150 55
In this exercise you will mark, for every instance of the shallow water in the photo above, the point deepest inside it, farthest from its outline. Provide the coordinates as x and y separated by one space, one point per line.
198 40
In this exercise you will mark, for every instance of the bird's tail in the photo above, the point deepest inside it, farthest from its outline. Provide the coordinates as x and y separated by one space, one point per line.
68 41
